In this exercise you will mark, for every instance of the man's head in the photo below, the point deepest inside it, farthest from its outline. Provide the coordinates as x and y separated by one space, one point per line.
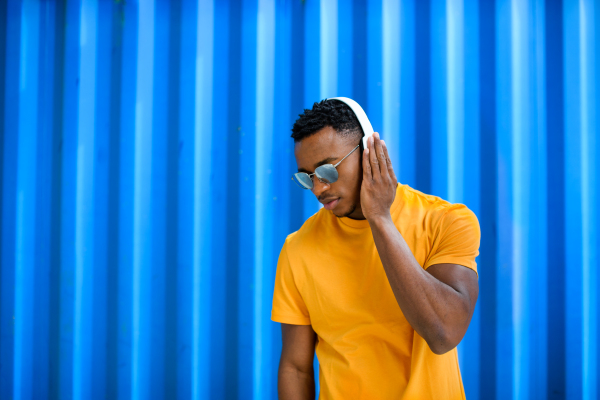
324 135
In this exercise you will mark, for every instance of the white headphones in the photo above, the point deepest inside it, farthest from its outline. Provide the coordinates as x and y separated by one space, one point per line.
360 115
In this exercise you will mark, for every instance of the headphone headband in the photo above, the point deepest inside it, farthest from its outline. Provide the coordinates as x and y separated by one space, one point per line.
360 115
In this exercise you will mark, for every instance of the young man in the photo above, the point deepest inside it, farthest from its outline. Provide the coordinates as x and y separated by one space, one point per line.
381 281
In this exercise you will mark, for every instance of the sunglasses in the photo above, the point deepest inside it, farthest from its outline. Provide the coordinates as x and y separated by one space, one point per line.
326 173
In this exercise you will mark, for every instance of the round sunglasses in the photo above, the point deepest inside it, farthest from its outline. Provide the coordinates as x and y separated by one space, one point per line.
326 173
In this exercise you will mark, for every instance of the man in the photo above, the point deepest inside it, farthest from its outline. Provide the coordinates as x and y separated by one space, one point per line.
381 281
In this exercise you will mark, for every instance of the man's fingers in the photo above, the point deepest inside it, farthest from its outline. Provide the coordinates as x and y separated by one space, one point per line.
380 156
388 162
373 157
367 174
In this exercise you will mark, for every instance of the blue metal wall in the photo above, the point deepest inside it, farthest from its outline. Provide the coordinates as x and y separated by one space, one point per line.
146 187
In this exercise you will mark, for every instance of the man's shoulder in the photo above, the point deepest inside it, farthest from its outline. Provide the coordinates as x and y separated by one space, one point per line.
298 238
432 209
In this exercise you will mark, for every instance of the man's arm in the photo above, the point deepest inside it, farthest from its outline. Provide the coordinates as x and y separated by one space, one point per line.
296 375
438 303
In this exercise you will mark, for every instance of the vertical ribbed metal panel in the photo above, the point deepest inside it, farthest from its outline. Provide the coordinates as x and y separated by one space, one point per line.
146 192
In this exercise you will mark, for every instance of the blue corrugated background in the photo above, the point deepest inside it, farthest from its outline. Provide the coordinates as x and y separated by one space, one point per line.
146 192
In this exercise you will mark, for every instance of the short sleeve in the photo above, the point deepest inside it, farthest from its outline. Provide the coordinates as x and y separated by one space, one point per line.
457 239
288 305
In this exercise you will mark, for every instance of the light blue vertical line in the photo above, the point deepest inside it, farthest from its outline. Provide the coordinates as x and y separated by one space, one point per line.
186 189
345 49
520 132
142 223
573 200
539 286
455 104
439 98
589 134
84 206
128 73
265 72
469 350
504 217
455 98
374 106
391 53
328 19
202 255
312 80
405 163
24 358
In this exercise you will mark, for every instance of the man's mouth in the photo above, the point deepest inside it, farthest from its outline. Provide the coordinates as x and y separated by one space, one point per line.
331 205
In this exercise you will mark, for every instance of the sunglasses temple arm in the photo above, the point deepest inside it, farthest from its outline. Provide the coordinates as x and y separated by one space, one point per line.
357 146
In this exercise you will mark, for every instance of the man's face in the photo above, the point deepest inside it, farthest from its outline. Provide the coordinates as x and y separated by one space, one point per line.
328 147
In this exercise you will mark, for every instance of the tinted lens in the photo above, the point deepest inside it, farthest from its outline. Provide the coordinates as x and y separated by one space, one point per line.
303 180
327 173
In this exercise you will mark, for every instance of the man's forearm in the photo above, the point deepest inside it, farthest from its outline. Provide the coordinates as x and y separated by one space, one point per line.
431 307
295 385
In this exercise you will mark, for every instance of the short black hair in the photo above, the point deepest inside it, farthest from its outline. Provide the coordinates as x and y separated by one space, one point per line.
333 113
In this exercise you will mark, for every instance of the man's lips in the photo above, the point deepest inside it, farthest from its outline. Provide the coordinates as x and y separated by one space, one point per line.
329 204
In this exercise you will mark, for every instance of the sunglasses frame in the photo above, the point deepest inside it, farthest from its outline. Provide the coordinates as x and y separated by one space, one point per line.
316 173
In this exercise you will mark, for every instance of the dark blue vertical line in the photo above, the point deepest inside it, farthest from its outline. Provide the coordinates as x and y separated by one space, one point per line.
233 211
3 16
297 102
488 182
3 19
70 90
56 201
127 69
112 231
172 202
597 99
359 32
160 189
9 170
221 288
423 94
556 200
247 199
45 161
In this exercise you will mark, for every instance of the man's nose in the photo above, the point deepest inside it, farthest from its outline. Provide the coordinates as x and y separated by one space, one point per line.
319 187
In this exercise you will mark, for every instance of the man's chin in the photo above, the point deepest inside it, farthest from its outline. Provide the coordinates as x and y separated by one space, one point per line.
344 213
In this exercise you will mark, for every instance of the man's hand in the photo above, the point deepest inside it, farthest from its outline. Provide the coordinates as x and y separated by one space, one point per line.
379 181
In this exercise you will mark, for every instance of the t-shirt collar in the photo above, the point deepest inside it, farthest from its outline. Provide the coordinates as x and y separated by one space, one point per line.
363 223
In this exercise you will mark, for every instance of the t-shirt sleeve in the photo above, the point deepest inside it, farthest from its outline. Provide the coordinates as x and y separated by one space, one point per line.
457 239
288 305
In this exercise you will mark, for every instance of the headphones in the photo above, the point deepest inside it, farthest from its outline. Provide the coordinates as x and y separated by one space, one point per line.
360 115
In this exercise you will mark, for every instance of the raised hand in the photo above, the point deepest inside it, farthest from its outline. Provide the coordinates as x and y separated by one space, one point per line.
379 180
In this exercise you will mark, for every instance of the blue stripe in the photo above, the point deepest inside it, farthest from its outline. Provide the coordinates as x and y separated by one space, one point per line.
312 53
10 126
127 128
556 299
588 71
328 47
247 199
265 101
405 163
470 188
84 203
142 207
573 200
505 216
422 95
391 78
439 98
25 202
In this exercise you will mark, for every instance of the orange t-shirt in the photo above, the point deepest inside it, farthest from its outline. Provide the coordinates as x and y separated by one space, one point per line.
330 276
